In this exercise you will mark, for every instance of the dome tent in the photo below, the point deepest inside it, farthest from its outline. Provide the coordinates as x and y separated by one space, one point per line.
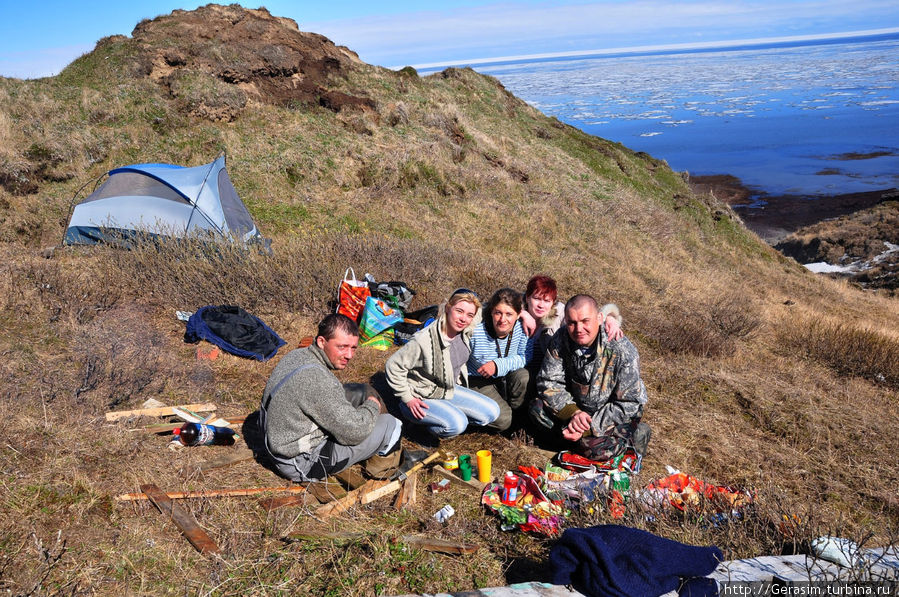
162 199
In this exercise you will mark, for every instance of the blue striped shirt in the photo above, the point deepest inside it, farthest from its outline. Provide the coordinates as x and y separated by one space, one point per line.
485 348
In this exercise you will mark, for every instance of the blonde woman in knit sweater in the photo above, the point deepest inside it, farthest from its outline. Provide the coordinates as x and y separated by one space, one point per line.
429 376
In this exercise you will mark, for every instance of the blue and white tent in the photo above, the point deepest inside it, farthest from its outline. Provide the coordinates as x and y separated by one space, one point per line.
162 199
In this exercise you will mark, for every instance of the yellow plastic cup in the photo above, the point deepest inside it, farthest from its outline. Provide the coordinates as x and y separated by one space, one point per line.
485 457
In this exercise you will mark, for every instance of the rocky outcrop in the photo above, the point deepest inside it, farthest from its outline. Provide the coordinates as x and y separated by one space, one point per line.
214 59
866 243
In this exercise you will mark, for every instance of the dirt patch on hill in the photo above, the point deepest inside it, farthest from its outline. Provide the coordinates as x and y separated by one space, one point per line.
865 242
213 59
773 218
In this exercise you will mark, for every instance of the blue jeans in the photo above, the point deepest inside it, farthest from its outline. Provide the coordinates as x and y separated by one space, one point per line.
448 418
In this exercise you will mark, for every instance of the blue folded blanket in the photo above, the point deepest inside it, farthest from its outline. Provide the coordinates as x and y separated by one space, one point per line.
617 561
234 330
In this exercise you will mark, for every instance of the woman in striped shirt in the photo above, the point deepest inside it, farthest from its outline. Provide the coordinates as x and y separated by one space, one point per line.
499 352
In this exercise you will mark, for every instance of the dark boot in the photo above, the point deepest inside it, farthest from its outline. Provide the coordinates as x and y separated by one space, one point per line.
640 439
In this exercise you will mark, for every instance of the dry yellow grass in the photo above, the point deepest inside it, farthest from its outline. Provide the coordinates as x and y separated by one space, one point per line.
753 376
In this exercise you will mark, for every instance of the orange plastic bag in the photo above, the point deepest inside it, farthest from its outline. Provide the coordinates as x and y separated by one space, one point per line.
351 295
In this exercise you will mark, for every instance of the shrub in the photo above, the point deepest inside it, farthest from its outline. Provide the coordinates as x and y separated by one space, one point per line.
846 349
302 274
705 328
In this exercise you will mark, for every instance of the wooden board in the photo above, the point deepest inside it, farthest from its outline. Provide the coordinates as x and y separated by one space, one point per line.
345 503
211 493
408 492
161 411
317 493
473 485
197 537
389 488
280 501
350 478
234 456
439 545
326 491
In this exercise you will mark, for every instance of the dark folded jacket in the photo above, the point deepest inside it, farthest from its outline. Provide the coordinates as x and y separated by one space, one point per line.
234 330
616 561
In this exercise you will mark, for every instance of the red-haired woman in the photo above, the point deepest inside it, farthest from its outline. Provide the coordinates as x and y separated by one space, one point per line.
543 316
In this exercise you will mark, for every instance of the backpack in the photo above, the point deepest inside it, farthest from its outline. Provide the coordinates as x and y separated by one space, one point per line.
403 331
394 293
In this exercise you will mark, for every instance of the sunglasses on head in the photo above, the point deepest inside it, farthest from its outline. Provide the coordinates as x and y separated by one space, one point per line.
465 291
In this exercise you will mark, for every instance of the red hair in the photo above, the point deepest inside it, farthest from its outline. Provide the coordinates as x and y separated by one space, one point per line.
541 285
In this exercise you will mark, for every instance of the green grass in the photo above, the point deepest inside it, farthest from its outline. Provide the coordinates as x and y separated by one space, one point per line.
276 218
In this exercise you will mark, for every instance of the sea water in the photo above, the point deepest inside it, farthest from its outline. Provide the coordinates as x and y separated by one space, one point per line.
807 120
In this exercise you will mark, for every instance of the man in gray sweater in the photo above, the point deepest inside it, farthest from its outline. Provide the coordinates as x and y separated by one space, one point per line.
313 425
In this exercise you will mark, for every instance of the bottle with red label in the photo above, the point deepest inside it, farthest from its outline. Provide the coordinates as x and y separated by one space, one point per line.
510 489
197 434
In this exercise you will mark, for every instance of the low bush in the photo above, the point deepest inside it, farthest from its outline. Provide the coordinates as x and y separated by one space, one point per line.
845 348
706 327
302 274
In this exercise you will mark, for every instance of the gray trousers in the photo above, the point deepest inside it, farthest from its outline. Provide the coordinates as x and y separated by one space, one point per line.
508 392
329 457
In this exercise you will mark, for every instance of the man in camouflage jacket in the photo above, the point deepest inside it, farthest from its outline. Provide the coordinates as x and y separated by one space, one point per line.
589 388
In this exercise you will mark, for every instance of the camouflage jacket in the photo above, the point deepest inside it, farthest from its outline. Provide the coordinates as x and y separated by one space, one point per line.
614 392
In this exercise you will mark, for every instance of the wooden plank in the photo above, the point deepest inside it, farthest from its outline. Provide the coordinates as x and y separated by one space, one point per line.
400 477
391 487
211 493
408 493
161 411
235 456
326 491
185 414
280 501
350 478
473 485
439 545
317 492
335 487
345 503
197 537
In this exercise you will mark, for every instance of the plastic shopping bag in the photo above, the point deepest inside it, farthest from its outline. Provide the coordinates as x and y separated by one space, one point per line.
377 317
351 295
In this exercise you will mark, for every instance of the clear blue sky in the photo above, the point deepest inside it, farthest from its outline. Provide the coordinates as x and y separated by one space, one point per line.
38 38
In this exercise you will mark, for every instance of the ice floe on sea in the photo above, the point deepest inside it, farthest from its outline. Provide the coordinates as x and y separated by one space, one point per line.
762 115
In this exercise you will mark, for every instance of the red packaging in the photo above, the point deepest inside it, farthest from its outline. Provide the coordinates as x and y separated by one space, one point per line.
510 489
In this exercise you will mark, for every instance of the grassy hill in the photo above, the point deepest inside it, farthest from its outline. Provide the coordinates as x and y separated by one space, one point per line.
760 374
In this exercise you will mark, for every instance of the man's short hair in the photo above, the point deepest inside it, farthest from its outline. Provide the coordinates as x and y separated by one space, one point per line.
579 301
337 322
